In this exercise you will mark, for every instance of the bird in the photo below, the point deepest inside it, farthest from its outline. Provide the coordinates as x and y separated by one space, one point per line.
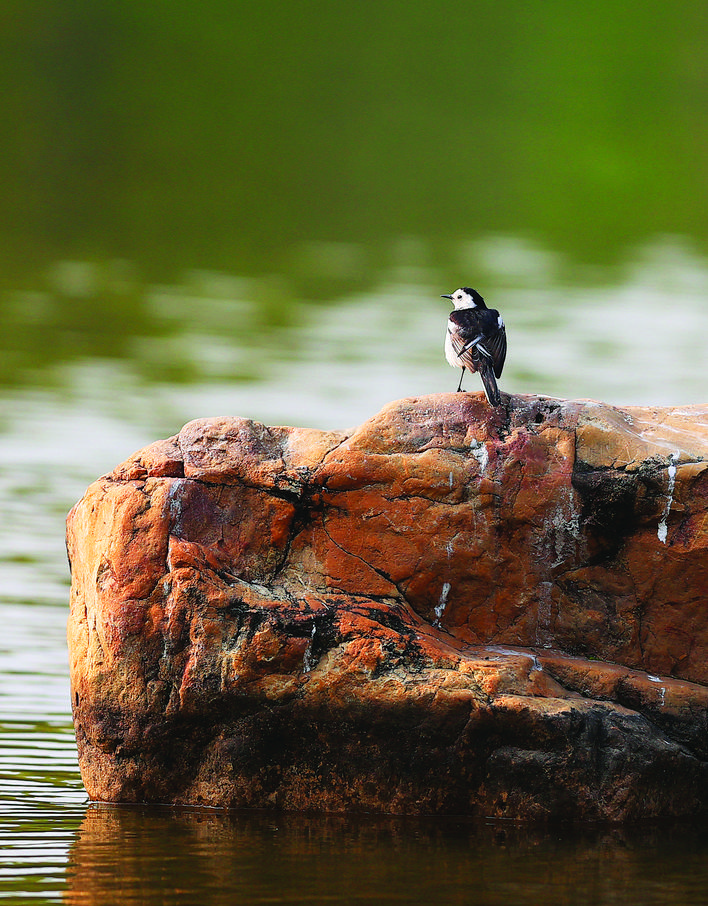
476 340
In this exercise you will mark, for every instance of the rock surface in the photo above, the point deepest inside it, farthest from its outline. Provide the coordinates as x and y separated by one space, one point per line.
450 609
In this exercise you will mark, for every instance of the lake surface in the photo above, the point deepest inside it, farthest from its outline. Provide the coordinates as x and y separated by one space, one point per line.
56 439
251 211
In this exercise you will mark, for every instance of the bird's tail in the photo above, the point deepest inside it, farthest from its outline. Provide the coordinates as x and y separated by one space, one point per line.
486 372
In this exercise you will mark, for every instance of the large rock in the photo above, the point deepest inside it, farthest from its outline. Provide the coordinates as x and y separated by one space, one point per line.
451 609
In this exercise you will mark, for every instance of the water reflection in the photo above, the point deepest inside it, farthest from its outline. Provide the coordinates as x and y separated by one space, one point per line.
223 343
84 398
153 855
41 796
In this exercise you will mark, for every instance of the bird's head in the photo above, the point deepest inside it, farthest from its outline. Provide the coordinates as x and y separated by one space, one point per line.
465 298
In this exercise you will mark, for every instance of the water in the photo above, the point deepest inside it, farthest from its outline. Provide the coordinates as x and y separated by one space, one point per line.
296 859
55 440
242 209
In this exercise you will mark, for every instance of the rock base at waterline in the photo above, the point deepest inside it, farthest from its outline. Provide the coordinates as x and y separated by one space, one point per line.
451 609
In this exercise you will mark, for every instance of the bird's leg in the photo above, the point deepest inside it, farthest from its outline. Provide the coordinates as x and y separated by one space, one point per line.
459 386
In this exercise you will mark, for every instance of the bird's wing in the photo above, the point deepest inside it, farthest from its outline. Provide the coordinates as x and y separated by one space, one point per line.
496 344
466 329
471 326
471 358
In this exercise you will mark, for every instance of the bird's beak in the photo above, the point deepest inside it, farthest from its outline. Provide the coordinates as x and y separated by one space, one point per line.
446 297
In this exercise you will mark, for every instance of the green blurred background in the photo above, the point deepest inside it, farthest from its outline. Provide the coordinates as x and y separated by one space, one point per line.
161 157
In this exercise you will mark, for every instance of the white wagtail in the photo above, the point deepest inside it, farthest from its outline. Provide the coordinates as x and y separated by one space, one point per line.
476 340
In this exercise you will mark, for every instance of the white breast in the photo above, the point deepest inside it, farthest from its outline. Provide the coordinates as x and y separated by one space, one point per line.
450 353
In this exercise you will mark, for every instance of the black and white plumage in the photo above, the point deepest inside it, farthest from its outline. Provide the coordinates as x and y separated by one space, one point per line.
476 340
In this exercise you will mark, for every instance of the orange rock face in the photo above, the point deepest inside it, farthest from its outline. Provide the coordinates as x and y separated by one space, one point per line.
451 609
